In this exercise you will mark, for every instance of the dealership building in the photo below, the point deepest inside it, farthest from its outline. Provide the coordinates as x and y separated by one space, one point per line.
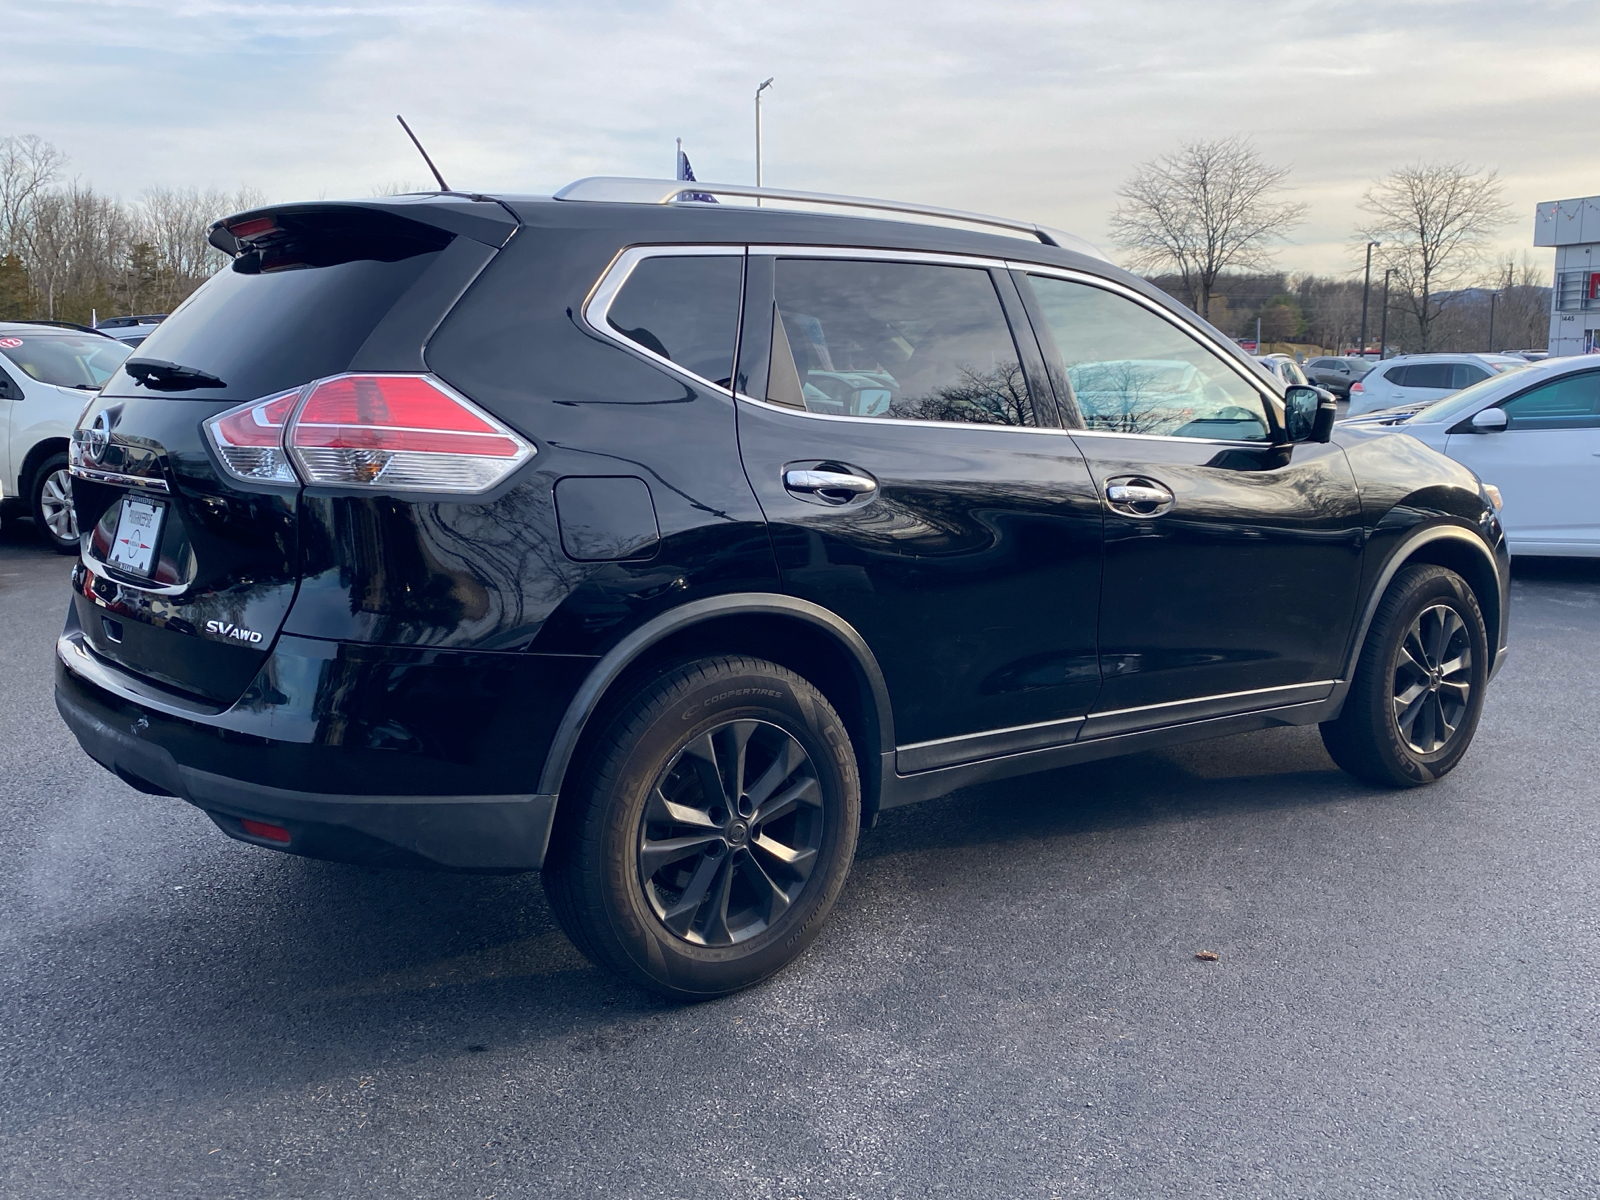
1573 228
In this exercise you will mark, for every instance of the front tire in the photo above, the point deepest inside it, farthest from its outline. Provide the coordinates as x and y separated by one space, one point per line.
50 497
712 831
1418 690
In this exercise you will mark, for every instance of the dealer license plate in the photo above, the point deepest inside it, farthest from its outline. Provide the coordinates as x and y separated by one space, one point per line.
138 535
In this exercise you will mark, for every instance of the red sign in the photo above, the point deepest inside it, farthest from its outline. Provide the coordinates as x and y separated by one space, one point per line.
1594 285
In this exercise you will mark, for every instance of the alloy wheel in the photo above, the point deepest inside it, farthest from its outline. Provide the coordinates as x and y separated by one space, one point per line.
55 505
730 833
1433 679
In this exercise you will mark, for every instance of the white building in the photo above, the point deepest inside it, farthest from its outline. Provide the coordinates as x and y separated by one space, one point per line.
1573 228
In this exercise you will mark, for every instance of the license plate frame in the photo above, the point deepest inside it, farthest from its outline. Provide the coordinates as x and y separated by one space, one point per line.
136 544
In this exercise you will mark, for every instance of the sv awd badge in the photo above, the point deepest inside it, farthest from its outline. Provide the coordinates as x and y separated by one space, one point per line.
229 630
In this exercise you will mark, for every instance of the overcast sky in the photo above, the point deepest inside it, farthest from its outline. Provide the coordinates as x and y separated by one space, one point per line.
1036 110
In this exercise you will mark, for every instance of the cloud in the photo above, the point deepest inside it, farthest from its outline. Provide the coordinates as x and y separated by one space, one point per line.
1030 109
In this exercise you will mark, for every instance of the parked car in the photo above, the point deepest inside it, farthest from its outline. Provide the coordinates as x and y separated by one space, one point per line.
1535 435
1533 355
1338 374
132 330
663 545
1287 372
1419 378
47 374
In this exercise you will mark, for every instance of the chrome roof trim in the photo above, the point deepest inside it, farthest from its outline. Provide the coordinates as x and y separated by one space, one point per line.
621 190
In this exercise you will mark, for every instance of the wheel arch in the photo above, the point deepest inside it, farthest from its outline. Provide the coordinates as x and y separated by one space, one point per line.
40 452
798 634
1456 548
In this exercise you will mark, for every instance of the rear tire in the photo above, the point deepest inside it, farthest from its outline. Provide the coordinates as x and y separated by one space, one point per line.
50 501
711 830
1418 690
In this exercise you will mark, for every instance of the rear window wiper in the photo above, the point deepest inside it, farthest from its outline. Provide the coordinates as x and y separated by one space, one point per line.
163 376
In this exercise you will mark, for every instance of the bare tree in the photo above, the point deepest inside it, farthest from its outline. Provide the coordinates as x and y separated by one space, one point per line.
1433 220
28 165
1210 207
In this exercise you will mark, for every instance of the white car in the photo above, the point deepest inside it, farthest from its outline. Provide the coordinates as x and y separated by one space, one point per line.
47 375
1420 378
1535 435
1287 372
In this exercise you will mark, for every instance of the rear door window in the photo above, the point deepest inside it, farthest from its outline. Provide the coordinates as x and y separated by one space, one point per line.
912 341
1430 375
683 308
1467 374
1132 371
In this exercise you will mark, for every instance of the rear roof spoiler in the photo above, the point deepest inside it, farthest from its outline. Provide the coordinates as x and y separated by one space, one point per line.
476 217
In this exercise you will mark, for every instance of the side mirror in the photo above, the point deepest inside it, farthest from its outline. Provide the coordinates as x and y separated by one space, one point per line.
1307 416
1489 420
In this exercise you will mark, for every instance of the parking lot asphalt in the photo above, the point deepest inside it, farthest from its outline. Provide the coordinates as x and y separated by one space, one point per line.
1006 1002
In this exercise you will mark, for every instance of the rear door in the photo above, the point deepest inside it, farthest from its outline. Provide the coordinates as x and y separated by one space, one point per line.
893 429
1231 560
1546 463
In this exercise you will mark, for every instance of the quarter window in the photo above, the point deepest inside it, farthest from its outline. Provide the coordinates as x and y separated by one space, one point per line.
1132 371
913 341
1569 403
684 307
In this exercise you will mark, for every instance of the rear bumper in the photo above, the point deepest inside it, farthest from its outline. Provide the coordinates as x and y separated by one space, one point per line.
379 755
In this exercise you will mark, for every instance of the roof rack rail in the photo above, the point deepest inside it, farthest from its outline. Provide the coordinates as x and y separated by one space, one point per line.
620 190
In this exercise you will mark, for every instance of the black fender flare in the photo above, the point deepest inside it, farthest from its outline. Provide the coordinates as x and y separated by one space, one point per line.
1403 553
616 660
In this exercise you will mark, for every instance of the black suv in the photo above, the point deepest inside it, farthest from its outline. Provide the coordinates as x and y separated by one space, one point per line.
661 545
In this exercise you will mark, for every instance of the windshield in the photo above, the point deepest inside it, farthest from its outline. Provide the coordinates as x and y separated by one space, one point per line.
1460 403
74 360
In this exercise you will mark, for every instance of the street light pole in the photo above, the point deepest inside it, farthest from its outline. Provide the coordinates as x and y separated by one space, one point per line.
1493 296
1383 332
764 86
1366 289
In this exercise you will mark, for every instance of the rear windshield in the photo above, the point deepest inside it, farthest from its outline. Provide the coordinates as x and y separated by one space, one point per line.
74 360
261 326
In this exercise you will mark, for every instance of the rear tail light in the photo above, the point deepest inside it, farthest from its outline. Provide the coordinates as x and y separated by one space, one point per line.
391 432
250 439
1356 386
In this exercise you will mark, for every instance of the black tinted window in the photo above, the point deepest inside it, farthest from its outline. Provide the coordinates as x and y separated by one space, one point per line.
261 331
1132 371
1466 375
1430 375
685 308
908 340
1569 403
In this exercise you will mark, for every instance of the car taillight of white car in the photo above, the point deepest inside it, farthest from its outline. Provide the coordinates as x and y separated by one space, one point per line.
406 433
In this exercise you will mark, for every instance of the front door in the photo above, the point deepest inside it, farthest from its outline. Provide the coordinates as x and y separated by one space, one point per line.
1231 560
1546 463
902 453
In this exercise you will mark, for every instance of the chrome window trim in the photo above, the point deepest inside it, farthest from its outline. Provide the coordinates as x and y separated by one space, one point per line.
95 475
1198 335
597 304
911 421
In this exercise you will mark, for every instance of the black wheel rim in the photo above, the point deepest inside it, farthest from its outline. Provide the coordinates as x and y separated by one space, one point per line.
1433 679
730 833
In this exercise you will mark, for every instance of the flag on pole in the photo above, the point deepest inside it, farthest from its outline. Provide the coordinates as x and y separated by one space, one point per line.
686 172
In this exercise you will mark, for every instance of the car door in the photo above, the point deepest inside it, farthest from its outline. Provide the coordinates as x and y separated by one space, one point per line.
892 427
1546 462
1232 559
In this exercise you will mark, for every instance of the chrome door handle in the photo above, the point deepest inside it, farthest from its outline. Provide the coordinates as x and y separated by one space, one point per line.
830 487
1134 493
1139 497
